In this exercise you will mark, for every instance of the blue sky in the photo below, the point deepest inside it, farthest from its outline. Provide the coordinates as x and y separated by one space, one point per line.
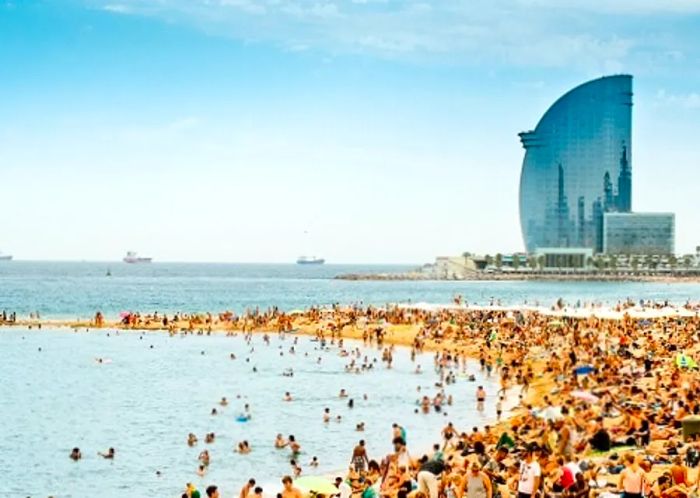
222 130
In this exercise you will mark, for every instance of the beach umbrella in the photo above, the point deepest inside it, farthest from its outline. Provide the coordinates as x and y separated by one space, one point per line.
586 396
583 369
316 485
685 361
124 314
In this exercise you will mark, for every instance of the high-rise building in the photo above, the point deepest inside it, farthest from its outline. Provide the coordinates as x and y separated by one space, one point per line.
577 166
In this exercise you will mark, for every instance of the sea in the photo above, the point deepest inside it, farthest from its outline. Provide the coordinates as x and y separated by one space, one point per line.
70 290
151 390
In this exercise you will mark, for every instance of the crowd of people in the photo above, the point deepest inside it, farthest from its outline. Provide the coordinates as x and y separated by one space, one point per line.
602 404
606 406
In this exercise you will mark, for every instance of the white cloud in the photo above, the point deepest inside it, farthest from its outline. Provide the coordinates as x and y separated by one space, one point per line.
629 7
117 8
593 36
686 101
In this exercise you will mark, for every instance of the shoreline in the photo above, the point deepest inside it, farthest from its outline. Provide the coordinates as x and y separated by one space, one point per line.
692 278
302 325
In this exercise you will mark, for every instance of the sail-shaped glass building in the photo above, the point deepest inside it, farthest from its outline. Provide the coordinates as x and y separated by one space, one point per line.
577 166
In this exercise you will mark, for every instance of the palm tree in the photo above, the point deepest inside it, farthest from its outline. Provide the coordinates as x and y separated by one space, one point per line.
687 261
599 262
672 261
499 261
516 262
532 262
634 262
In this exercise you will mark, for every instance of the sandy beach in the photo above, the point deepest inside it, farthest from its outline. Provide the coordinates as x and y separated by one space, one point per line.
624 375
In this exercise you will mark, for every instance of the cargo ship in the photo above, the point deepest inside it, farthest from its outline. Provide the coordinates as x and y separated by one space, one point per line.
133 257
305 260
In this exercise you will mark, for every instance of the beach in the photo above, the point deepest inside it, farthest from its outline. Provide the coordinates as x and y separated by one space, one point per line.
531 350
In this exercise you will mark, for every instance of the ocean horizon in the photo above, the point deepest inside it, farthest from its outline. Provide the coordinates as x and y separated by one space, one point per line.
68 290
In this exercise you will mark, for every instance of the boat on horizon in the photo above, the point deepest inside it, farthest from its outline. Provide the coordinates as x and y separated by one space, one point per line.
5 257
133 257
305 260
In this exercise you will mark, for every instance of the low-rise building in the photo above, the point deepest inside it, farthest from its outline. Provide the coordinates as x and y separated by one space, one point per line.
576 258
639 233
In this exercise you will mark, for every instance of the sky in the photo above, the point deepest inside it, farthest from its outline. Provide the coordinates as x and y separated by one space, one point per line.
363 131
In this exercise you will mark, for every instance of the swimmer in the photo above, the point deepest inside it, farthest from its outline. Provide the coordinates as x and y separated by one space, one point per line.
223 402
213 411
360 427
313 462
243 448
343 394
351 403
201 470
296 470
204 458
326 415
75 454
287 396
191 439
109 455
293 445
280 442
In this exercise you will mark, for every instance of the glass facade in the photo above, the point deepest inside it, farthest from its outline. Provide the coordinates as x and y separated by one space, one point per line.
639 233
577 166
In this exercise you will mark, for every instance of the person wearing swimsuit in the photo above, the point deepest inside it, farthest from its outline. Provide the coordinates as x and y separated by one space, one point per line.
632 478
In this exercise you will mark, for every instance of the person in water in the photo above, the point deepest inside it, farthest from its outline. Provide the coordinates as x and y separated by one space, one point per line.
75 454
247 488
280 442
359 459
294 445
108 455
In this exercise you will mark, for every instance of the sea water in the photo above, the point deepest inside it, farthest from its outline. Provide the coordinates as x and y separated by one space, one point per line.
55 396
151 390
78 290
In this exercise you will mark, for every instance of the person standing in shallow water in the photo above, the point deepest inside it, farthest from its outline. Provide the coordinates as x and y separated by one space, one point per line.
480 397
359 457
